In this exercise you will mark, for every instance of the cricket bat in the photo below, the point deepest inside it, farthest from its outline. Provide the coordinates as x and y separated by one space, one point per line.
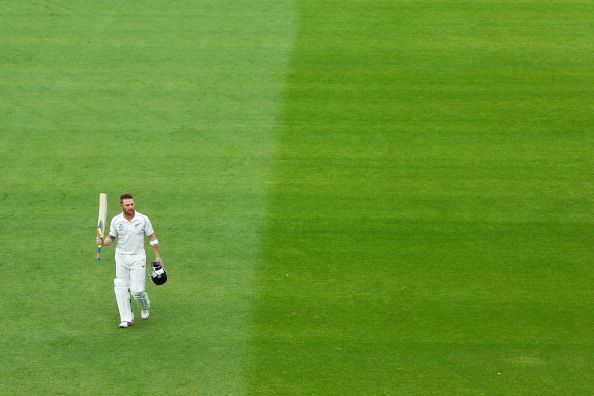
101 221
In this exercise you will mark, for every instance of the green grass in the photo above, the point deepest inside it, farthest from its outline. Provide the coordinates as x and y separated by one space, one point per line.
385 197
429 230
175 103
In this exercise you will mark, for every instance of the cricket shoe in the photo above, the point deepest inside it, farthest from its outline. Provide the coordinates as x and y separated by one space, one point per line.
126 324
145 313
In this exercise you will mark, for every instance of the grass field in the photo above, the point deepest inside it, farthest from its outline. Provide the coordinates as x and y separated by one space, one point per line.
359 197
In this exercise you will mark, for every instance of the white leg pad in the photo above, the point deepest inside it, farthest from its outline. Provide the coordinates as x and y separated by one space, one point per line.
142 299
122 295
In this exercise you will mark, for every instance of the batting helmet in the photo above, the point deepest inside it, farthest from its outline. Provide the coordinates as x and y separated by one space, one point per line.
158 275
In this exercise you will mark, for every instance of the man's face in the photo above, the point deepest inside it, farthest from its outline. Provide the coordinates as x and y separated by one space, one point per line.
128 206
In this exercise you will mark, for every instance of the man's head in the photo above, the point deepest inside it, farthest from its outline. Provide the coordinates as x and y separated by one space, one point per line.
127 204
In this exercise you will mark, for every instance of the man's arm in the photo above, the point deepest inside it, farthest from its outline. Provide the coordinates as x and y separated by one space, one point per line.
155 245
110 236
107 241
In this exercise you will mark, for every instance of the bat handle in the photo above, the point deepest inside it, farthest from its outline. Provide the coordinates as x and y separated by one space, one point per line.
99 235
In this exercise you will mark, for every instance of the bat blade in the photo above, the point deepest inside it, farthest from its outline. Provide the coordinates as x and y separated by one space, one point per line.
101 221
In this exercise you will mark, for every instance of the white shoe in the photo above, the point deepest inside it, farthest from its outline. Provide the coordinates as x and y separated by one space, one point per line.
145 313
126 324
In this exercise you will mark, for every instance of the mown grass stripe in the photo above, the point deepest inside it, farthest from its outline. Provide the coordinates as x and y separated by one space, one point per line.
175 102
430 219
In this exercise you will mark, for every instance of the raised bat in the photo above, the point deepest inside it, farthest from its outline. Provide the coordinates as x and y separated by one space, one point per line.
101 221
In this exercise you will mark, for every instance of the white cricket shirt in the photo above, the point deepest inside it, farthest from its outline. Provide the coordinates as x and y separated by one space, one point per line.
130 234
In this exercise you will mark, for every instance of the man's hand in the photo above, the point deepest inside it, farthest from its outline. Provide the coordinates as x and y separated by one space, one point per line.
105 242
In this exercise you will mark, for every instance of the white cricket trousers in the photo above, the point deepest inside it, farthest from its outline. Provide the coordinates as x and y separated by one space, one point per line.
130 279
131 269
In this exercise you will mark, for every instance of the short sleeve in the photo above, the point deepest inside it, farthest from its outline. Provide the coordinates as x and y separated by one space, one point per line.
112 228
148 227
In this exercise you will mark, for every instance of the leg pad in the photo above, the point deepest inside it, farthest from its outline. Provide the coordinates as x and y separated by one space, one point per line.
120 288
142 299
